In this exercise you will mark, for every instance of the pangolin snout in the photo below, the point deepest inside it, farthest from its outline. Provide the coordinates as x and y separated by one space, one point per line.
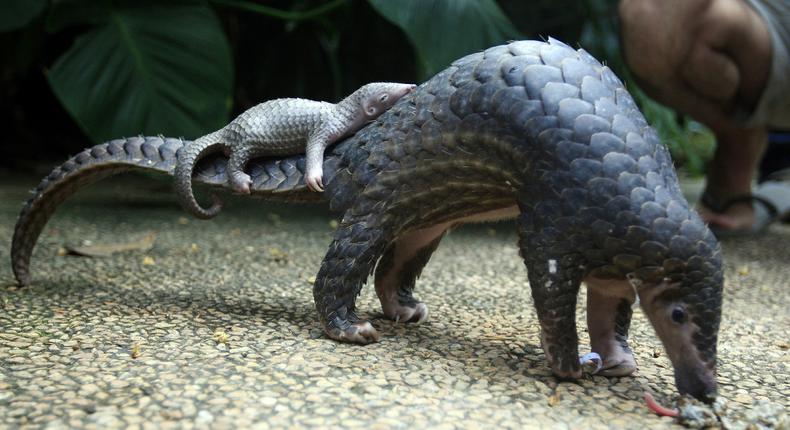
698 382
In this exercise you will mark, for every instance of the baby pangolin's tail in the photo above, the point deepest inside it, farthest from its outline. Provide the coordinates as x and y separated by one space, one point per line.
187 158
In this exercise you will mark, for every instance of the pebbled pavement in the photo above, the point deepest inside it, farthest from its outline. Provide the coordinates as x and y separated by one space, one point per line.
214 327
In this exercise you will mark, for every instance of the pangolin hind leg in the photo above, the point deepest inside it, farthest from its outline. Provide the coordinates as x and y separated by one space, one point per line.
398 270
608 319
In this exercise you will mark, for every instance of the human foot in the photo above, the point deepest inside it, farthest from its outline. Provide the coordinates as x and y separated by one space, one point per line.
745 213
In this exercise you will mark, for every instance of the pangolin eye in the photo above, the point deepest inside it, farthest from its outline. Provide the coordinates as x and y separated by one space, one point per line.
678 315
384 97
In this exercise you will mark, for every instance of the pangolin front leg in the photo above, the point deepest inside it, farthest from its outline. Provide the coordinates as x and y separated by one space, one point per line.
554 277
398 270
314 156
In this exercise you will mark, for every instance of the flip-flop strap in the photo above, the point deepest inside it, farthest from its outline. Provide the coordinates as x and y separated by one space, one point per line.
720 207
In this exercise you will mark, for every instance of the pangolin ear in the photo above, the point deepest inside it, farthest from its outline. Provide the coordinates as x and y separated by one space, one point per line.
369 108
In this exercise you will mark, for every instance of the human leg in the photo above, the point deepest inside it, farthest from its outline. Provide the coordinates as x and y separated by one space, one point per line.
709 59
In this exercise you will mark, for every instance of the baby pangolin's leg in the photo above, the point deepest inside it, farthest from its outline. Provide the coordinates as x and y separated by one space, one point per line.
239 156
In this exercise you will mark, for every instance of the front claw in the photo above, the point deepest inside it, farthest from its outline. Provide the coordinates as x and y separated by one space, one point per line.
617 358
314 182
619 367
361 332
563 359
418 313
241 182
565 374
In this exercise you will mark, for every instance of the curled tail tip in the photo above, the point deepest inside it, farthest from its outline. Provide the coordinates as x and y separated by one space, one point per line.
211 211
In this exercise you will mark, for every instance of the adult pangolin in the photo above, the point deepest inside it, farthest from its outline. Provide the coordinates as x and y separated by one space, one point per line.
536 131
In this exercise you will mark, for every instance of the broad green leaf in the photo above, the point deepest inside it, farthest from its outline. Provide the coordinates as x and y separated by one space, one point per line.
444 30
65 13
15 14
149 69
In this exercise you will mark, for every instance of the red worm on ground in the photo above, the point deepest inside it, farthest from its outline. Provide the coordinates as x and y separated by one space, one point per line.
660 410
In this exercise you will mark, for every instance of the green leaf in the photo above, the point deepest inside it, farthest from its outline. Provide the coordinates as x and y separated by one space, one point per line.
65 13
444 30
149 69
15 14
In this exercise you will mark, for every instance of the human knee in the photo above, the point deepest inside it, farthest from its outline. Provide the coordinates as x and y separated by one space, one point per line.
711 74
656 35
637 39
632 12
638 13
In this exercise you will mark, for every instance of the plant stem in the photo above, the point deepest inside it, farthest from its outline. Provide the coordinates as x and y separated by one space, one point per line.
277 13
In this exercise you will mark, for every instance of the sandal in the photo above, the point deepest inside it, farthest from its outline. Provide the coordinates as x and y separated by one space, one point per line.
776 189
765 213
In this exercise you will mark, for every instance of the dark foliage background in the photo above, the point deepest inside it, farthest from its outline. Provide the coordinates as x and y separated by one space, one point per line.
77 72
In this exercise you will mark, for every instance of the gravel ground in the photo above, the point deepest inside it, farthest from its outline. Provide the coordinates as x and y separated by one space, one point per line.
214 327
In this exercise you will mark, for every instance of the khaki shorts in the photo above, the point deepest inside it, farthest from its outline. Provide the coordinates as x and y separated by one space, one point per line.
773 108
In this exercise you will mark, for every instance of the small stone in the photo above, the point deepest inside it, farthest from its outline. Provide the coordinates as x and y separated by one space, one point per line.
16 413
221 337
188 408
743 398
131 410
119 383
88 389
204 417
218 401
136 351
